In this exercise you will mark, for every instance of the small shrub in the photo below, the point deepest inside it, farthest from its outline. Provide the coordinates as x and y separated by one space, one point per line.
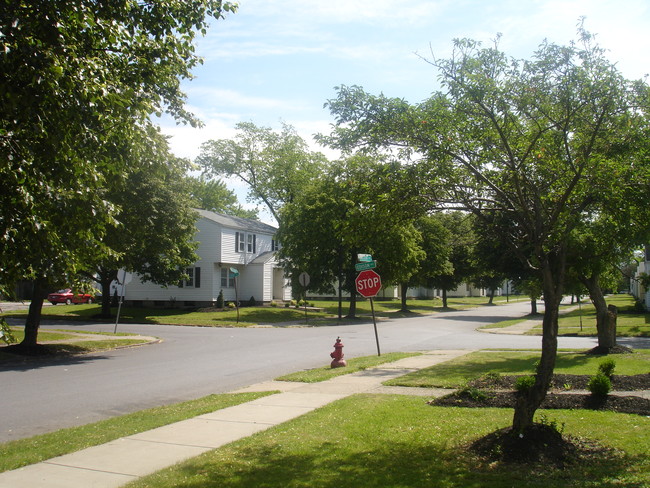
474 393
273 303
523 384
599 385
553 424
252 302
231 305
607 367
6 334
492 376
220 299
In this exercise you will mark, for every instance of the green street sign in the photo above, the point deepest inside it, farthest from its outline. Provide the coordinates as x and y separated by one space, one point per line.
234 272
364 258
365 265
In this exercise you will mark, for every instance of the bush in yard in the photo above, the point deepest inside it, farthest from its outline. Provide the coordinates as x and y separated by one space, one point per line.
599 385
524 383
607 367
220 299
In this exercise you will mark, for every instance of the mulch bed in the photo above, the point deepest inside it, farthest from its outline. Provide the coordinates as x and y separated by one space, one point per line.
488 392
567 382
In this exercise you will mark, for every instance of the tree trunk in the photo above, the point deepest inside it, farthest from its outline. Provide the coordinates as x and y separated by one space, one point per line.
605 323
106 277
491 300
529 401
405 288
350 274
533 306
33 321
444 298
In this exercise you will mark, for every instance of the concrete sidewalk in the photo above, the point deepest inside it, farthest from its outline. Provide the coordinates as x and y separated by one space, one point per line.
123 460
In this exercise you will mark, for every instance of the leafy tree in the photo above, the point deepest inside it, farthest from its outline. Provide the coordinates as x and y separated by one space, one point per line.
153 233
80 80
276 166
603 240
346 213
530 146
214 195
460 243
435 239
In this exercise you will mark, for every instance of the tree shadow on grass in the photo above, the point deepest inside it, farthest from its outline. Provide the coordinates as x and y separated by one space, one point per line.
402 465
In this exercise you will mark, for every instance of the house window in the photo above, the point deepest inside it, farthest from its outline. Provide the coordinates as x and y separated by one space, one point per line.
245 242
193 279
275 245
227 279
250 247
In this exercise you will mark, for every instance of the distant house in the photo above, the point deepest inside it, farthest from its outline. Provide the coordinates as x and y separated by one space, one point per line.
637 289
225 242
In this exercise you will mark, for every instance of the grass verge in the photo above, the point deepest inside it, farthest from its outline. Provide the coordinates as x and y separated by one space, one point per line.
62 342
457 372
266 315
396 441
356 364
15 454
582 321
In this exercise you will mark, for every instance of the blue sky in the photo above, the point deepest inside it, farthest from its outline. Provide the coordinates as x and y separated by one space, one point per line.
279 60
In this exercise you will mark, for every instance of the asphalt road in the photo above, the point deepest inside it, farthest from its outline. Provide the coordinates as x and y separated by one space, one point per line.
190 362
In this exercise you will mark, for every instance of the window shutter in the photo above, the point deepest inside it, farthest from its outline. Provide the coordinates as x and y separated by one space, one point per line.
254 243
197 277
236 241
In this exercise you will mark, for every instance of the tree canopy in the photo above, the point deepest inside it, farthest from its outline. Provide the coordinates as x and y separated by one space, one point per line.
276 166
529 146
80 80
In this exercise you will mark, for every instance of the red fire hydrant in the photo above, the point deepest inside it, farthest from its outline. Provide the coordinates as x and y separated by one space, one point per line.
337 355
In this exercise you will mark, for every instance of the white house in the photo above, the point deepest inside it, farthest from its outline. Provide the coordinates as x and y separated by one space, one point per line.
636 288
225 243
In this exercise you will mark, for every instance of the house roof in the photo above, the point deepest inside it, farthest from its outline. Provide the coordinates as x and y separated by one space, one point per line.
263 258
238 223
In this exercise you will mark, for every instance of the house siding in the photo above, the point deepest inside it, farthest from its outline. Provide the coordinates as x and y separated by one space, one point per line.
217 250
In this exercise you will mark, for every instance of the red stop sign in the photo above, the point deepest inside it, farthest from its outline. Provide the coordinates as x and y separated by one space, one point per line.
368 283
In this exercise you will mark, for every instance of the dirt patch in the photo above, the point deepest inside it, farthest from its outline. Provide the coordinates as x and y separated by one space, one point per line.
498 392
473 398
540 445
565 382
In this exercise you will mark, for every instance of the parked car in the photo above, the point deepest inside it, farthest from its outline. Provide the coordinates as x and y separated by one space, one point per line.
67 296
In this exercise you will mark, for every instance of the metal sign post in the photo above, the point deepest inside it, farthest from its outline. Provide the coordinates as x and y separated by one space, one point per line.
119 304
304 280
368 284
235 274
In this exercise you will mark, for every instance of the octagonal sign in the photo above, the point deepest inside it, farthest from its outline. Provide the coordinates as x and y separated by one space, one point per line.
368 283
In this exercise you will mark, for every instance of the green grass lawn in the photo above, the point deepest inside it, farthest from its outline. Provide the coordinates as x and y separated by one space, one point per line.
265 315
457 372
582 320
353 365
32 450
72 342
369 441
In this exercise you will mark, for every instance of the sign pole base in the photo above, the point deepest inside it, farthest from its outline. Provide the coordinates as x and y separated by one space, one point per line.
374 323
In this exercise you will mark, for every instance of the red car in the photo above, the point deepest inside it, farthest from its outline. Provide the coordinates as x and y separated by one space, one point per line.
67 296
